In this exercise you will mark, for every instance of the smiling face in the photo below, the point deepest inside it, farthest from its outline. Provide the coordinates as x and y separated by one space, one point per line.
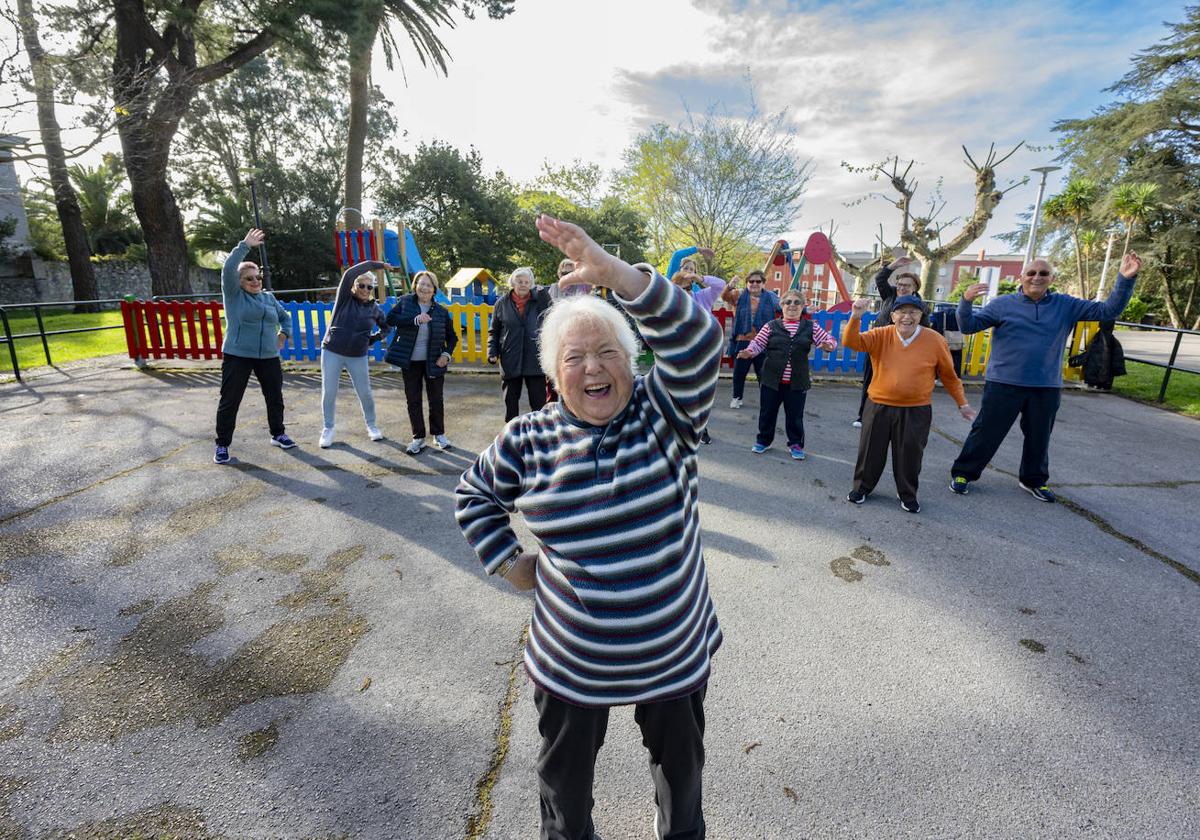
1036 279
906 318
906 284
364 287
754 284
792 305
593 373
424 288
249 278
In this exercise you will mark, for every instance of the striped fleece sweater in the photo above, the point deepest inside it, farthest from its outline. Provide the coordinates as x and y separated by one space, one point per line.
622 612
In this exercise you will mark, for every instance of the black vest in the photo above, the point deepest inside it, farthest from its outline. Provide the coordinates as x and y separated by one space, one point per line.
783 348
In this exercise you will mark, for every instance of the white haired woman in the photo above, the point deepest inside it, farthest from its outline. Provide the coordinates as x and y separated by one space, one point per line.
622 610
513 342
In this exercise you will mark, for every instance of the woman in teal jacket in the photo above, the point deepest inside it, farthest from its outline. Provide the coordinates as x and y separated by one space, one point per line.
256 328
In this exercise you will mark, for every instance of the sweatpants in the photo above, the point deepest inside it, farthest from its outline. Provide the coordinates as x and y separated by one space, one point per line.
672 732
360 378
535 390
235 375
414 380
1000 406
906 431
792 400
741 368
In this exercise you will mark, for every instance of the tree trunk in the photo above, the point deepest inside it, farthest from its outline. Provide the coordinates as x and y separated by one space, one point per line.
162 224
83 273
1079 265
929 277
361 48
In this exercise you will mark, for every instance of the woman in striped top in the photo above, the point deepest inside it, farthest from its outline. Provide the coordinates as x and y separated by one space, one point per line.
784 380
607 481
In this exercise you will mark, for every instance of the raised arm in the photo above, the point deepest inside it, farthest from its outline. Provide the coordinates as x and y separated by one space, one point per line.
486 498
1118 298
853 336
229 271
972 320
677 259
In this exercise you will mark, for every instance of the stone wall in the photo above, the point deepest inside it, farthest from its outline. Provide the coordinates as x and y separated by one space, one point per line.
114 279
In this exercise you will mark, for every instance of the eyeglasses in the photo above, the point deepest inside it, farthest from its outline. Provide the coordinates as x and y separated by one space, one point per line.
793 303
1037 273
367 286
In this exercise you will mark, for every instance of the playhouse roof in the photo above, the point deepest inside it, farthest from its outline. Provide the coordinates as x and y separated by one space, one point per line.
466 276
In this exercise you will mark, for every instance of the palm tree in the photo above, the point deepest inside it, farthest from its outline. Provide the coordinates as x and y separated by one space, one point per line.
106 206
1134 203
1073 205
419 20
1089 242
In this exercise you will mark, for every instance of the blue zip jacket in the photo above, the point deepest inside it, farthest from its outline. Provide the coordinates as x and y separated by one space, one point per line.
252 322
1029 337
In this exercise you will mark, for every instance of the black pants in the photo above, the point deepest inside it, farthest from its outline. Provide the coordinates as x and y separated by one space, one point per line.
868 373
535 390
1000 406
235 374
792 400
741 368
673 732
906 431
414 379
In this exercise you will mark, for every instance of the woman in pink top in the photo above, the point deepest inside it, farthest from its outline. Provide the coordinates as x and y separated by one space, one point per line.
786 342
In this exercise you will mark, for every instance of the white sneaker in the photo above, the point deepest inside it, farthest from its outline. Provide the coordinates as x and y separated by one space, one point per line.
735 403
373 433
443 442
416 446
326 438
857 424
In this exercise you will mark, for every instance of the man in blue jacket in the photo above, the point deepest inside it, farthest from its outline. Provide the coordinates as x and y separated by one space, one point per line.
1024 373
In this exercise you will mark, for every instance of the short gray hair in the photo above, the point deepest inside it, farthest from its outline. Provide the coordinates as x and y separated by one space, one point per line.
568 312
519 271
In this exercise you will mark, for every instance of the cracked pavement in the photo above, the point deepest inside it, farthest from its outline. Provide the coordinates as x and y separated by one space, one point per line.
304 646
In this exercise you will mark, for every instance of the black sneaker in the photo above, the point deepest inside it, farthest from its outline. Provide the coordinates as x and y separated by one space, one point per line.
1042 494
283 442
856 496
958 485
704 437
910 507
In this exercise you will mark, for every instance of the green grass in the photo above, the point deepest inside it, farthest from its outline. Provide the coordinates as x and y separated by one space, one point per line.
63 348
1142 382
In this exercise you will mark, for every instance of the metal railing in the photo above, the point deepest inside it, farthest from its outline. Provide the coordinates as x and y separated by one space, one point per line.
42 333
1170 365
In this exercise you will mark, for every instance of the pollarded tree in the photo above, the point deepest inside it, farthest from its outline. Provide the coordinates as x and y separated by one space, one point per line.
921 235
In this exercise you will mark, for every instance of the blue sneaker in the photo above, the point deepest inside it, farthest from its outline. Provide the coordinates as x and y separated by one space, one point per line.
797 453
283 442
221 455
959 485
1042 494
760 449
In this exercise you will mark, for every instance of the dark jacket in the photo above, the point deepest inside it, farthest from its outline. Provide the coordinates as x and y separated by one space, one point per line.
887 297
743 322
352 321
443 338
514 339
1104 359
783 348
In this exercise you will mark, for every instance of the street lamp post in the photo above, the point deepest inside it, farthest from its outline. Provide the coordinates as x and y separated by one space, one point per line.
1031 248
1112 234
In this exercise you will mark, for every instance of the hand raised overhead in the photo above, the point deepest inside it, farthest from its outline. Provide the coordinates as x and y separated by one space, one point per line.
254 237
593 265
1131 264
975 290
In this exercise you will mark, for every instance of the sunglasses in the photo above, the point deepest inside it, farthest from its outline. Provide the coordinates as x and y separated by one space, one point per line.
793 303
1037 273
368 286
754 282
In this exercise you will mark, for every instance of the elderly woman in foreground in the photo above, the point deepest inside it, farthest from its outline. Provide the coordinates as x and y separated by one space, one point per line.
607 481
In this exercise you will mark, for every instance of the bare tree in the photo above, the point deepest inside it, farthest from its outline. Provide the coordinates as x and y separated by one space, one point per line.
921 235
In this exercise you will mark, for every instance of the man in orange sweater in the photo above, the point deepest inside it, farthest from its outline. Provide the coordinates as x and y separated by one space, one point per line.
906 358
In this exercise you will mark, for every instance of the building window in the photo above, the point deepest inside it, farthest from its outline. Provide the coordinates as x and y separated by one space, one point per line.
778 275
818 270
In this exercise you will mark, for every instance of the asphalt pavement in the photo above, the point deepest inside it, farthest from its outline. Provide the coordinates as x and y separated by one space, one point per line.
302 645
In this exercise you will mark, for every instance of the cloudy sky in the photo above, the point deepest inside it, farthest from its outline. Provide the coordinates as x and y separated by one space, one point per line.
862 80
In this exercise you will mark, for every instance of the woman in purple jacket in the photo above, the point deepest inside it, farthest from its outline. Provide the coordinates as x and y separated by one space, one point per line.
355 316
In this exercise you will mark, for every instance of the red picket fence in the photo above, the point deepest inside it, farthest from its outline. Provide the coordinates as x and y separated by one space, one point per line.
171 329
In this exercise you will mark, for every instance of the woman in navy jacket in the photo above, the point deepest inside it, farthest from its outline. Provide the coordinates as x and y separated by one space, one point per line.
425 338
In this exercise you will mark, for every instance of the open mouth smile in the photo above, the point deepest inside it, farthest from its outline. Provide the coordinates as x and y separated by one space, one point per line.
597 391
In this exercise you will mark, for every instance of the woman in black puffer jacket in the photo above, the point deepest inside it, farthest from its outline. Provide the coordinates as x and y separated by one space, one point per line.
513 342
425 338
